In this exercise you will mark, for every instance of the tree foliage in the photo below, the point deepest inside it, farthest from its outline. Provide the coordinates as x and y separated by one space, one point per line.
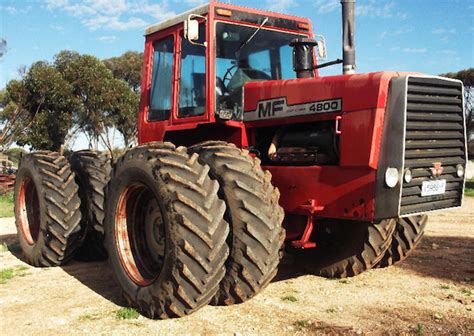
52 102
38 109
3 47
127 67
467 78
14 155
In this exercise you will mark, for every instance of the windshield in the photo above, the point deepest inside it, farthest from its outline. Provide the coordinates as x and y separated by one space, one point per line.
266 56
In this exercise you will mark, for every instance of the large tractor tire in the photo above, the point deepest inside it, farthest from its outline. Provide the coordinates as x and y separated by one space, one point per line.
408 233
92 171
347 248
47 210
256 234
165 230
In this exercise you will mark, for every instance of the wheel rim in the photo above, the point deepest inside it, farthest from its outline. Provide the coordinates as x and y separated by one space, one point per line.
139 234
29 212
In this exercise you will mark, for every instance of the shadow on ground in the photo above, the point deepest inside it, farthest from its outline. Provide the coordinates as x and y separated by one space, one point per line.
98 277
416 321
95 275
445 258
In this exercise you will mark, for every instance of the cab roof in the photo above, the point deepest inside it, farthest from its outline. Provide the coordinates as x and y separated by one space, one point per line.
201 10
204 9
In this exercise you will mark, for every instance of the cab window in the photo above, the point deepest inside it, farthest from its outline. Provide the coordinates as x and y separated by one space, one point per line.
161 80
192 81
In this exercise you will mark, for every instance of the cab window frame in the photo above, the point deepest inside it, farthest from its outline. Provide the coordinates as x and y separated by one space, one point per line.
170 80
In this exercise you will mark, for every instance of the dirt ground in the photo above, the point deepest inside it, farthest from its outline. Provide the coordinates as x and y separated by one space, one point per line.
432 292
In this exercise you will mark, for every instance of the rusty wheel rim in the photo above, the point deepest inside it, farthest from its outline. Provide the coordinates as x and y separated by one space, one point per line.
139 234
29 212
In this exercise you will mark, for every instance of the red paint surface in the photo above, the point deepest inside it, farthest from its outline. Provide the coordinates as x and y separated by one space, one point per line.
344 191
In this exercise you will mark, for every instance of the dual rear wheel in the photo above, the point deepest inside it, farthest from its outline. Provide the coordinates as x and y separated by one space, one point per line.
47 209
182 228
178 238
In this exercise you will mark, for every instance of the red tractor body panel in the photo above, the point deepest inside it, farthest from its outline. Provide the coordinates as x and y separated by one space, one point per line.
346 190
363 98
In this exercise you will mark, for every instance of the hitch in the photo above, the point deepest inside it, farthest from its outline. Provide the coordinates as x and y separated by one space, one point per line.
311 209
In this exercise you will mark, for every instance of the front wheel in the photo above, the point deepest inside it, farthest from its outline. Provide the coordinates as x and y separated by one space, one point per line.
347 248
164 230
408 234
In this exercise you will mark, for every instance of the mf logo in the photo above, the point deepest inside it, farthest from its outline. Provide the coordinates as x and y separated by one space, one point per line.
437 169
270 108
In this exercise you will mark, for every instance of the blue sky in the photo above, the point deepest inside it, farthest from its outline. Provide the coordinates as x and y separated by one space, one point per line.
430 36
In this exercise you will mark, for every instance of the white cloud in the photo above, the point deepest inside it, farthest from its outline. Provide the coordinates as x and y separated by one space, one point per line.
112 22
444 31
14 11
9 9
56 27
193 2
373 9
398 32
107 39
402 16
112 14
370 8
280 5
402 31
449 52
414 50
327 6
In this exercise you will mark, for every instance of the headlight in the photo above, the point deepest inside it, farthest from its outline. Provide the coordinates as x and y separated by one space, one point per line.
460 170
407 176
391 177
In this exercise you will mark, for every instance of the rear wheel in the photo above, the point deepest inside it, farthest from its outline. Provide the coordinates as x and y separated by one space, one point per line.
256 235
408 233
165 232
347 248
47 209
92 171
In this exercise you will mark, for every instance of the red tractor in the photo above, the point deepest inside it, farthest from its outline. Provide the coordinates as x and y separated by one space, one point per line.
242 144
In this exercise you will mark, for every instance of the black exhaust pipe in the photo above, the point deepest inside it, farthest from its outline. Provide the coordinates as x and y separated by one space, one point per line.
348 44
303 56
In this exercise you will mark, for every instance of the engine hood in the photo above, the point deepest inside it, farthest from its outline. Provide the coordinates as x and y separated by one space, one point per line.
297 98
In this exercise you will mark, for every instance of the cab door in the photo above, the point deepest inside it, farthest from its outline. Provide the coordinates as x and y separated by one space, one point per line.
158 86
192 80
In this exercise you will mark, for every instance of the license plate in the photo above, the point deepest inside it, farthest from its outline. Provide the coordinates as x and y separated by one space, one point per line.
430 188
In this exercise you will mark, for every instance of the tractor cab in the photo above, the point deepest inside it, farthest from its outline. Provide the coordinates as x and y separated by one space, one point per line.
197 64
245 54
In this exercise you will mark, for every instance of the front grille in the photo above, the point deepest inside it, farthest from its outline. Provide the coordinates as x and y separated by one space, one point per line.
434 133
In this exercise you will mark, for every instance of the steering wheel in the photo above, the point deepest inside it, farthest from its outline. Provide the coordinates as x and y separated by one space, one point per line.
228 74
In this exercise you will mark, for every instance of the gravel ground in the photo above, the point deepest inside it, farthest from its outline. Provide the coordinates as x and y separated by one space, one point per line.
432 292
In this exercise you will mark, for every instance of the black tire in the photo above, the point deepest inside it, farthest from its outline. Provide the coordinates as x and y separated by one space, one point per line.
165 230
408 233
92 171
47 209
347 248
256 234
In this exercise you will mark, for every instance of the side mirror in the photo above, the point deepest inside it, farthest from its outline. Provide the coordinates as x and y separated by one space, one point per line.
191 29
321 47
